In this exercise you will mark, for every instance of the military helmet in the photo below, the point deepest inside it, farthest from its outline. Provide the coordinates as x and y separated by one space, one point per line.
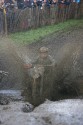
43 49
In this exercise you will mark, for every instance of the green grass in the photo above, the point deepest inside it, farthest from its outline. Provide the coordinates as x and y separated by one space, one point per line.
36 34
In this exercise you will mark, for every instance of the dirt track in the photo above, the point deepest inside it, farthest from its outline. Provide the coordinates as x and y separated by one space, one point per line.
60 45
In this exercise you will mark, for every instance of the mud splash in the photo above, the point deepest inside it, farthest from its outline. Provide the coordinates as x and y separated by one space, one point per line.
64 47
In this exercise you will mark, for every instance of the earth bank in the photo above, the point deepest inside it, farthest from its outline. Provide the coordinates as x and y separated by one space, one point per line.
66 112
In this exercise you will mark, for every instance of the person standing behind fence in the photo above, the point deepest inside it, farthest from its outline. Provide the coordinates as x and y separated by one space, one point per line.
49 2
9 5
15 4
39 3
20 4
55 2
28 3
1 17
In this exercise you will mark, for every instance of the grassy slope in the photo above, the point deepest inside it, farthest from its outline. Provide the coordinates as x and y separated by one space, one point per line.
36 34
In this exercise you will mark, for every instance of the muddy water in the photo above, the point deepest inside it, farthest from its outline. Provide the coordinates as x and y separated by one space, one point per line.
66 49
11 94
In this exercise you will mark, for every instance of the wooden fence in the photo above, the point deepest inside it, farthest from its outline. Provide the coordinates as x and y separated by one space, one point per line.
30 18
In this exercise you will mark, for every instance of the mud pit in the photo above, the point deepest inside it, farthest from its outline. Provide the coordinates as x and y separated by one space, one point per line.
65 47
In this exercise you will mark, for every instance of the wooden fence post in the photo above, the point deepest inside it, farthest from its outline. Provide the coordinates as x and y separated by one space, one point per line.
81 8
5 19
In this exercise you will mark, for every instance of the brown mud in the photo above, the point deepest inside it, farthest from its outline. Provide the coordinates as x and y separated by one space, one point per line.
65 47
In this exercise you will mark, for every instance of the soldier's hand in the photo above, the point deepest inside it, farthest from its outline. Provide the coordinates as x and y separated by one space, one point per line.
27 66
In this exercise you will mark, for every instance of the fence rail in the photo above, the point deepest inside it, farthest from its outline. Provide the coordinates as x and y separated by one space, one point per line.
30 18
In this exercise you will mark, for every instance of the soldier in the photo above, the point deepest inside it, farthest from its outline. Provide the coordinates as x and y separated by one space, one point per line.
41 73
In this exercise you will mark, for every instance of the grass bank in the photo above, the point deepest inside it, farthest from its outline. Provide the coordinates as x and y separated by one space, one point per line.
36 34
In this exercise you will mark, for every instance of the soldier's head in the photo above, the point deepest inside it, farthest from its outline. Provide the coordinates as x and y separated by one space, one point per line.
43 52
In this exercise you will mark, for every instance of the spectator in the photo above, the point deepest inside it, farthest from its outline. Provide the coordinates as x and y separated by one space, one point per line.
55 1
35 3
20 4
28 3
77 1
8 1
39 3
9 5
67 2
15 4
61 3
48 3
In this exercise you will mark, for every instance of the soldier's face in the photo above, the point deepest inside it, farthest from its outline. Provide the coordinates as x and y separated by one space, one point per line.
43 55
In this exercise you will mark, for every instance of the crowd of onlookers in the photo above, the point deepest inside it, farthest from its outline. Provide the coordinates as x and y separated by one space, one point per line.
9 6
22 4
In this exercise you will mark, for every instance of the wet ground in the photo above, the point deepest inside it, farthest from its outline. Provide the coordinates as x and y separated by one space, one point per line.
63 112
11 95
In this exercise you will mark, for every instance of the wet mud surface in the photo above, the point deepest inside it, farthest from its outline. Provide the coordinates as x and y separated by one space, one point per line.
61 46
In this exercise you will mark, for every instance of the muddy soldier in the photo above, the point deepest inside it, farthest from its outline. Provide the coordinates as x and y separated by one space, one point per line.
39 85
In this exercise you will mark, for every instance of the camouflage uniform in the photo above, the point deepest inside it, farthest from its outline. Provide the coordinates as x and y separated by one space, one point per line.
41 78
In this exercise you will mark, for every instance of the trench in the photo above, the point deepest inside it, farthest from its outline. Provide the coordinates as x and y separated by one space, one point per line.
66 49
